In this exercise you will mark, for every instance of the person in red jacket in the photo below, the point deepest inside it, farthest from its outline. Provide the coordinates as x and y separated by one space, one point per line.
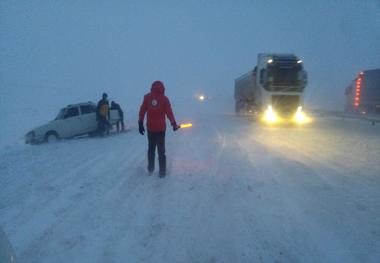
156 106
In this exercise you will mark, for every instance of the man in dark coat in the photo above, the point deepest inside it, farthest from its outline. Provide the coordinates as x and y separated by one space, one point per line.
120 122
103 114
157 106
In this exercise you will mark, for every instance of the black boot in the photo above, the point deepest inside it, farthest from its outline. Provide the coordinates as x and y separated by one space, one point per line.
162 163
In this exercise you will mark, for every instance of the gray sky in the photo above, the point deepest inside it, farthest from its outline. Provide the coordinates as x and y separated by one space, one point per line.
86 47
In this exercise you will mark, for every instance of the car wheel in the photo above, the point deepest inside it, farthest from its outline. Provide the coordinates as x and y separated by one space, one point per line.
51 137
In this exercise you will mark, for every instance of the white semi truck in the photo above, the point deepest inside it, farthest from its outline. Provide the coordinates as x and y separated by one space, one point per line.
274 89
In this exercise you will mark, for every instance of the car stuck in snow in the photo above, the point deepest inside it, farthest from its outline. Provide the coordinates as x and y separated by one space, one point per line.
72 121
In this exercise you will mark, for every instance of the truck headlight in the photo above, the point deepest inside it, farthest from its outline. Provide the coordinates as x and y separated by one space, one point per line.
300 116
269 115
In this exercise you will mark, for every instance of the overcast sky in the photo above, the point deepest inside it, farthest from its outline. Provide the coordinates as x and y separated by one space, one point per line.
86 47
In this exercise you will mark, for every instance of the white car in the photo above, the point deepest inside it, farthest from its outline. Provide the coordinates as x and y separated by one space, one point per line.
71 121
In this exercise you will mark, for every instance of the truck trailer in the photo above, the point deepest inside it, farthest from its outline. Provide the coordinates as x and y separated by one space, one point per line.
363 94
273 90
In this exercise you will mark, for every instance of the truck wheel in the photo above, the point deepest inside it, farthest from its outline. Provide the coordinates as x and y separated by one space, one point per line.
51 136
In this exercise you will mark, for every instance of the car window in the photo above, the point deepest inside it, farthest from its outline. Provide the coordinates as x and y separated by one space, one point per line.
60 115
71 112
86 109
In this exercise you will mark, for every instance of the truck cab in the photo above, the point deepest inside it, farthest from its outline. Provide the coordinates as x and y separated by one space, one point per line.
274 88
283 80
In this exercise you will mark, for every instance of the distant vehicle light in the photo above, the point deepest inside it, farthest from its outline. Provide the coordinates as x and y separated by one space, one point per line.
201 97
270 61
299 61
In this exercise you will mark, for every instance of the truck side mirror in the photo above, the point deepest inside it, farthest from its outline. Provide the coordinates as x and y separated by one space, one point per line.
302 77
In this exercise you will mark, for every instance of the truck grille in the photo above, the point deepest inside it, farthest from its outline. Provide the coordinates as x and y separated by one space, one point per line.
285 105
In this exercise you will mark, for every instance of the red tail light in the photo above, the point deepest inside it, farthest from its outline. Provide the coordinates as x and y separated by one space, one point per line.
358 88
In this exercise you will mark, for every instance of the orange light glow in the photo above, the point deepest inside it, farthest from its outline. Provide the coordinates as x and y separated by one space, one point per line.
358 87
186 125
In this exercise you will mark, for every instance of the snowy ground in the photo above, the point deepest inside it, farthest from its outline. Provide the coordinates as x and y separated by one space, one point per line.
236 192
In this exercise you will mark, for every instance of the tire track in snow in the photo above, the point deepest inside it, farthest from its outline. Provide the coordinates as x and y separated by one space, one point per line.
89 194
231 196
290 199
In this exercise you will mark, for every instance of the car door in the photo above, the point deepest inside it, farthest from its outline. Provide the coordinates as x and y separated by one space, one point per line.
71 124
114 116
88 118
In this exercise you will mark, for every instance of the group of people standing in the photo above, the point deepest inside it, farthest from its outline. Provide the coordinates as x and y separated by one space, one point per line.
103 115
156 106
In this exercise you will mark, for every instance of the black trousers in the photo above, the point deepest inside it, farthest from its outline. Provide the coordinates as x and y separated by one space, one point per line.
156 139
103 125
120 123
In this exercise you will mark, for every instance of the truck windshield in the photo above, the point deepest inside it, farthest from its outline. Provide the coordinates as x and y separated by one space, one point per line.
284 79
284 76
60 114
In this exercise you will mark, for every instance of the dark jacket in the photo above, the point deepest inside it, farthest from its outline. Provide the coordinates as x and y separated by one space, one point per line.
116 106
156 105
102 110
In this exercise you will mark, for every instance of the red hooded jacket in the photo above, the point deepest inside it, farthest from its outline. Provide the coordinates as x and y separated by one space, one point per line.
156 105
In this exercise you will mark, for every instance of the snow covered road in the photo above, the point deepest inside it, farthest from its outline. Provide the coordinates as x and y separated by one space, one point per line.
236 192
